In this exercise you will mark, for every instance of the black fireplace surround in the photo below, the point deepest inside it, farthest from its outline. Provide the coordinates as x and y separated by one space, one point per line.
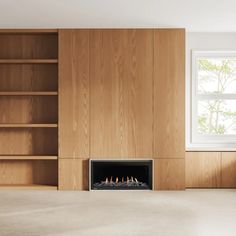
121 174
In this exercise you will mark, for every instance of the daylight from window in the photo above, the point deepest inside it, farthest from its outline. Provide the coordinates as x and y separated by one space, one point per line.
216 96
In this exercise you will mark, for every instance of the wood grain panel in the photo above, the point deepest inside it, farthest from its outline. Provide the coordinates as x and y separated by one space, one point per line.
28 172
169 174
121 72
74 93
203 169
28 141
228 170
28 46
28 109
73 174
28 77
169 93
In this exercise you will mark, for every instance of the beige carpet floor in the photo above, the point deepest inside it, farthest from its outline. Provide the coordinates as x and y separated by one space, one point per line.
118 213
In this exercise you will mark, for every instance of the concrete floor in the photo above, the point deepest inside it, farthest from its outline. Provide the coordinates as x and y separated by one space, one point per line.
120 213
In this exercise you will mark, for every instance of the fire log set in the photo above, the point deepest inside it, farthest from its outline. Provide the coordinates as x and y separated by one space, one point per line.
122 183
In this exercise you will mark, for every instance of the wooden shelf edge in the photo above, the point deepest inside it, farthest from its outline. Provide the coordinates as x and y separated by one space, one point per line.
28 93
28 125
28 61
28 31
27 186
25 157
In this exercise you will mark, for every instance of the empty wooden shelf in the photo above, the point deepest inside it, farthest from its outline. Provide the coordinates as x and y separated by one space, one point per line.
42 78
28 172
29 109
28 141
31 47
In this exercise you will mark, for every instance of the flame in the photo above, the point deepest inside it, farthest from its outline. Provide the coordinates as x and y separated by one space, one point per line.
106 181
128 180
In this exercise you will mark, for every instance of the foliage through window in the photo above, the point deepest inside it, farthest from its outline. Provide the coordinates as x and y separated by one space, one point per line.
214 97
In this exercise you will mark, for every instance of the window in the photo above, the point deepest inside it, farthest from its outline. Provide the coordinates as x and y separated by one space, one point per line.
213 111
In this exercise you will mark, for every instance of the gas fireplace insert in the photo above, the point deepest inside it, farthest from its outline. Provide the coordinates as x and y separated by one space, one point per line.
121 174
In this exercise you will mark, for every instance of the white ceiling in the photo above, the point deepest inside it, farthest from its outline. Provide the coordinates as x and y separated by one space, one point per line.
194 15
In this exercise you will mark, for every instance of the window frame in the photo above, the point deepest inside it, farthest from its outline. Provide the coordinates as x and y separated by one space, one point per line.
204 141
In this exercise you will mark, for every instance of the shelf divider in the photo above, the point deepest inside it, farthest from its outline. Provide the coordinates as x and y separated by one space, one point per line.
19 93
28 61
28 125
28 31
27 157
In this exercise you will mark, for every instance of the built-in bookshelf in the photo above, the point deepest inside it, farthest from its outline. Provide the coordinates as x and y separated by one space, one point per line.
29 109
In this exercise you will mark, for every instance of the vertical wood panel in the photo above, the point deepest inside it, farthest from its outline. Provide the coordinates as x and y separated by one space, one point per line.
121 72
169 174
74 93
73 174
228 170
169 93
203 169
103 96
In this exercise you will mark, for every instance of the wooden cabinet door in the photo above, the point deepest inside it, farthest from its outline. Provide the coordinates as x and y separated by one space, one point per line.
73 174
73 93
121 79
169 93
228 170
169 174
203 169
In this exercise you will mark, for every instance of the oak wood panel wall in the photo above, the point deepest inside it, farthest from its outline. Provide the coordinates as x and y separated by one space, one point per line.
74 94
169 93
121 79
169 109
112 97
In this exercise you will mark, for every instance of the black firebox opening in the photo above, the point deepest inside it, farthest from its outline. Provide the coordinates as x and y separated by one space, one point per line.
120 174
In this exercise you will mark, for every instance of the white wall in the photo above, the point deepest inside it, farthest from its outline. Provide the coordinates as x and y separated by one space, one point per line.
203 41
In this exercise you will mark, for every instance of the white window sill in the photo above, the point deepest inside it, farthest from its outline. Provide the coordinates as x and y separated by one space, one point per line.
210 149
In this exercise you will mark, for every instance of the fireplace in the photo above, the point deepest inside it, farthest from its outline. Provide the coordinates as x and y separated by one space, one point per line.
121 174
